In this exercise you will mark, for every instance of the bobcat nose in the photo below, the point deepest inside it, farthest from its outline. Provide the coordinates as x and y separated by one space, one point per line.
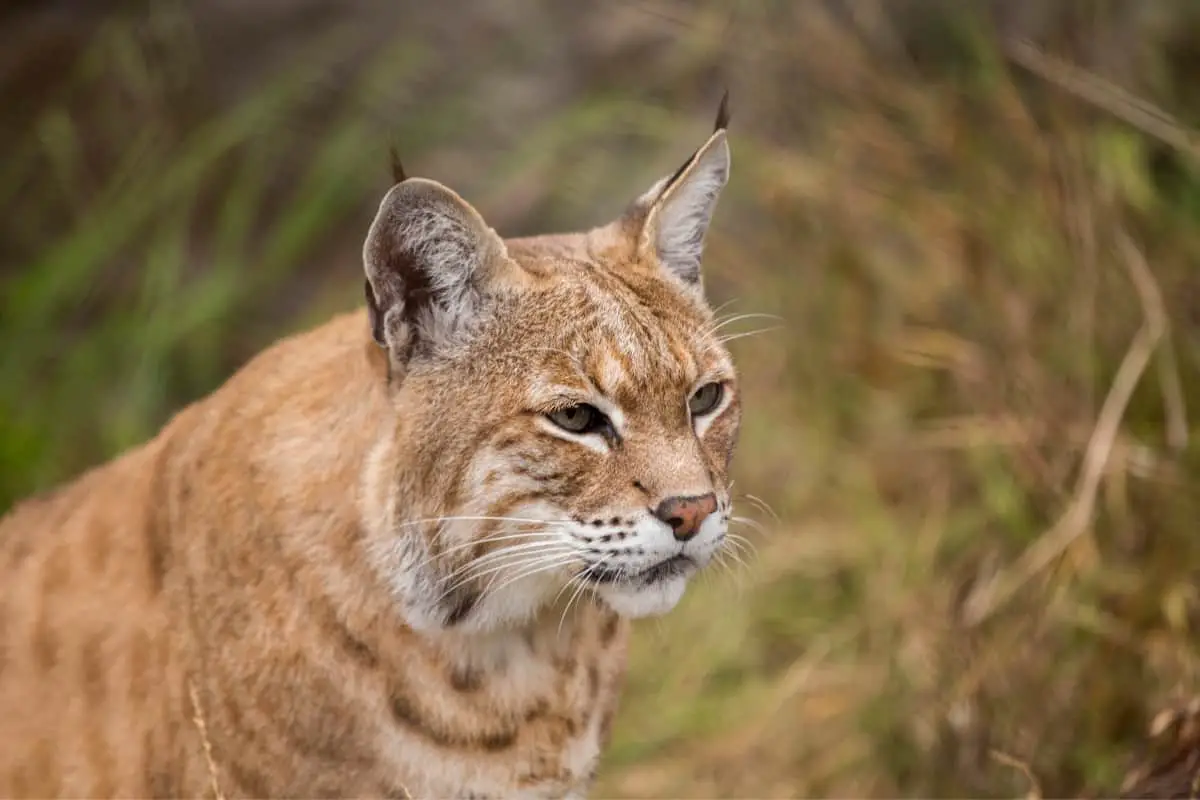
684 514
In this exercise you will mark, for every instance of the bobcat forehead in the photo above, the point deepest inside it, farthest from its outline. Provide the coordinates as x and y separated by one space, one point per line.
633 345
397 554
620 363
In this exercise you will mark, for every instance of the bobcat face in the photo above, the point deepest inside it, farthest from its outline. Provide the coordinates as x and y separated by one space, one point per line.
566 412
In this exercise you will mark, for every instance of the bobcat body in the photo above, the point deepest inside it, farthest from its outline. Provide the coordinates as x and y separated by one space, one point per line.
396 555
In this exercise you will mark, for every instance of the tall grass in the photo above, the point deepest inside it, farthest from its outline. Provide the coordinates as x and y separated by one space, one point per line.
974 433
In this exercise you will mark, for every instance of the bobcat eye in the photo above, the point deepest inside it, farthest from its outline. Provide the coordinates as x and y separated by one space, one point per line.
705 399
582 418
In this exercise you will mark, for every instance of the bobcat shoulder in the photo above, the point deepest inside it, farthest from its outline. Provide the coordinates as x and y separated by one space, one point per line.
395 555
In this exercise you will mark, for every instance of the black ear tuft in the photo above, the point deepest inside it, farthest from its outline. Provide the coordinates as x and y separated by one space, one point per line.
723 113
397 168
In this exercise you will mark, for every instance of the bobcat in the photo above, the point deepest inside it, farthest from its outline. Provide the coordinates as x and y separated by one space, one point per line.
398 554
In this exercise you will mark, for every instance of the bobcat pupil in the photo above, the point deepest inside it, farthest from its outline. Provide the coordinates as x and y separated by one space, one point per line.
579 419
706 398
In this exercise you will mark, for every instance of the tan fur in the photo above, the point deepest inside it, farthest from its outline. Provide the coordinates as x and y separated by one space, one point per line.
269 547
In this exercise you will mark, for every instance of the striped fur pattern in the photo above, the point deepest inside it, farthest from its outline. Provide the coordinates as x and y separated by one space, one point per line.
396 555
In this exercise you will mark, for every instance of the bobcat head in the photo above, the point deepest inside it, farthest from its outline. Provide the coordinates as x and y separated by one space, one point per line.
565 413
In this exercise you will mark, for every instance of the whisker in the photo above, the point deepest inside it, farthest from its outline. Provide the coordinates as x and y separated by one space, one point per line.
716 312
504 559
753 524
736 543
538 535
505 538
735 575
578 580
578 576
474 568
720 563
741 317
731 337
521 566
734 550
739 546
739 539
720 322
579 590
510 551
764 506
429 520
544 563
708 339
541 564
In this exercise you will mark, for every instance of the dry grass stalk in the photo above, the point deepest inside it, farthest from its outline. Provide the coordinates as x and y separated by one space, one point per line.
1175 408
1035 787
198 719
1094 90
1075 520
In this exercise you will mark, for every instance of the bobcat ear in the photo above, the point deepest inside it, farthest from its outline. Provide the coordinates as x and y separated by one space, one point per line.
678 209
429 259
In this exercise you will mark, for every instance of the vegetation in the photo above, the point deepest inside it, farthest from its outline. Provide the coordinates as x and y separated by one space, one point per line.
970 457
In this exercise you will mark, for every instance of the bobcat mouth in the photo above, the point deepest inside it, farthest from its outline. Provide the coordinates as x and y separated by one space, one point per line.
672 567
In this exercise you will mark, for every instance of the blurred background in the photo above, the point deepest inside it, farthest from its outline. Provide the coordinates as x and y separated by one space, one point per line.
970 465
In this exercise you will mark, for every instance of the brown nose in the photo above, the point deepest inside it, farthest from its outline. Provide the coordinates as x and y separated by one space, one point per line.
684 514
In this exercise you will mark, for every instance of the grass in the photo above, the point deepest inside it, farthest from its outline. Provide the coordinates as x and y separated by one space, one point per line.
983 481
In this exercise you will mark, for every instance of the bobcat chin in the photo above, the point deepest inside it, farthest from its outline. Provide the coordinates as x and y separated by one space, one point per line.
396 554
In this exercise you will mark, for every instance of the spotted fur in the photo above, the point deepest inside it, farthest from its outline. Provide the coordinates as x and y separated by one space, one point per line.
374 556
